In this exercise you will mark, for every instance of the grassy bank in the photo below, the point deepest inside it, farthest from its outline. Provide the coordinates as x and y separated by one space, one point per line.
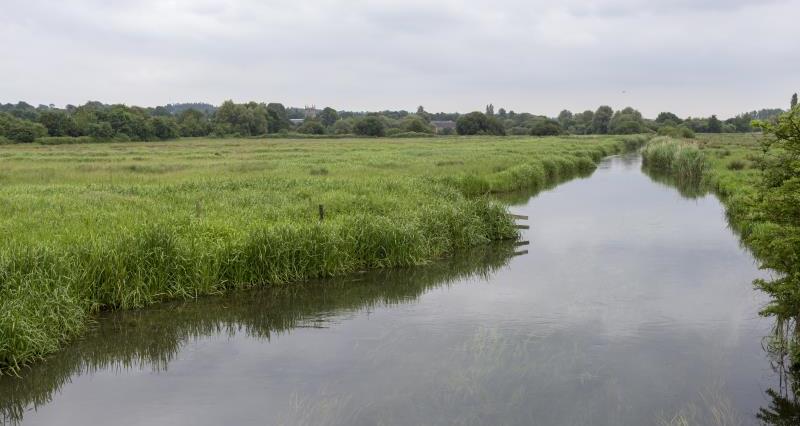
105 226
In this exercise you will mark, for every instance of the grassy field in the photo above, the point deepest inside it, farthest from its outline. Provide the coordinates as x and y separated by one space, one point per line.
105 226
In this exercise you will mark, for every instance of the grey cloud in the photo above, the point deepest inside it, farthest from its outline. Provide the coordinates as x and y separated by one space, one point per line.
695 57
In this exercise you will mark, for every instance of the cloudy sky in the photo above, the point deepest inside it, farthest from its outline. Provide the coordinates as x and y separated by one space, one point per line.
693 57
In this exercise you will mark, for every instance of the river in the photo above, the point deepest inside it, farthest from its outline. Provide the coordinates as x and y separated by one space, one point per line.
631 305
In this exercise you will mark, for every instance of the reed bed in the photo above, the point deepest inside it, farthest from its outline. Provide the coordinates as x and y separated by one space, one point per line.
94 227
683 160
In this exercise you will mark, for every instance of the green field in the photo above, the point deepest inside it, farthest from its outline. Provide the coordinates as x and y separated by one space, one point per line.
104 226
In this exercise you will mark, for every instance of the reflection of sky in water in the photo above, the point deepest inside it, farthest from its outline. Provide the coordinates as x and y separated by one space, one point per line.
631 303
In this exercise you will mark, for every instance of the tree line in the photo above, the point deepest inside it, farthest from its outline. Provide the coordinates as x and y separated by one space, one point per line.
22 122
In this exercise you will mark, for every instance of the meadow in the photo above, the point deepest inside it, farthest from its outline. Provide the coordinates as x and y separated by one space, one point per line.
92 227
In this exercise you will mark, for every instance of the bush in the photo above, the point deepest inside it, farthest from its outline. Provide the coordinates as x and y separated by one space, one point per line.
311 127
546 127
736 165
370 126
342 127
415 124
25 131
676 132
478 123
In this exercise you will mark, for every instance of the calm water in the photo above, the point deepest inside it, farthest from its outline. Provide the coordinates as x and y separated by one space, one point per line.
632 305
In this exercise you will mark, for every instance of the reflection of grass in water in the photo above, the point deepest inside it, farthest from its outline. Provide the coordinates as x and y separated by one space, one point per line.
152 338
687 189
320 410
713 408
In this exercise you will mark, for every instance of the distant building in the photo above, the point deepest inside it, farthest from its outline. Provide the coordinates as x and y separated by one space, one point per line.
311 112
439 126
297 121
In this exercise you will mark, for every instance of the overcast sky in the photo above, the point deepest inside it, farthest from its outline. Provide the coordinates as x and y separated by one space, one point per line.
693 57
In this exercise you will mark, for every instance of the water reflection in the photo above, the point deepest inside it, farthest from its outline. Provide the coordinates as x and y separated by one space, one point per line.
152 338
781 346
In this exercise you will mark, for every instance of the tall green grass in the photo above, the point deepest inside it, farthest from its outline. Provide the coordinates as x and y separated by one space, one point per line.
683 160
107 226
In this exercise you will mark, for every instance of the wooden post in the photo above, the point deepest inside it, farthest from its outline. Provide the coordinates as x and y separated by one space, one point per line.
321 212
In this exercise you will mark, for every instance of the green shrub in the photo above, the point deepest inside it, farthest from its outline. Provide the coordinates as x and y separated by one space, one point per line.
370 126
736 165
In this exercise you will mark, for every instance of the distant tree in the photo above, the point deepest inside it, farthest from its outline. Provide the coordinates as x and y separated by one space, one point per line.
602 119
566 119
312 127
546 127
192 122
165 127
278 118
58 123
477 123
490 109
714 125
343 127
668 117
24 131
249 119
370 126
501 113
328 116
414 123
100 130
421 113
793 102
582 123
627 121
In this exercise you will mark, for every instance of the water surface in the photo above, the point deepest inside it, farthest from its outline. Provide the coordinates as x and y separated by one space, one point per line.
632 306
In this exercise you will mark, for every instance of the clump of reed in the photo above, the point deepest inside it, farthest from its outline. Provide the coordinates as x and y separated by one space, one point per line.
683 160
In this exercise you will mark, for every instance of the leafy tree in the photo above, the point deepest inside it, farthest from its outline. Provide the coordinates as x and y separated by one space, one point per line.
370 126
793 102
779 202
165 127
328 116
58 123
546 127
582 123
278 118
566 119
668 118
312 127
477 123
100 130
192 122
249 119
423 114
501 113
714 125
602 119
342 127
490 109
414 123
626 122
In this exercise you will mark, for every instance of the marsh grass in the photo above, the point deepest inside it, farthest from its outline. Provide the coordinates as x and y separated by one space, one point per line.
91 227
683 160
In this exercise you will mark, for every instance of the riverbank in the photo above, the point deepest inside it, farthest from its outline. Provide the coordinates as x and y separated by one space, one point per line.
122 226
